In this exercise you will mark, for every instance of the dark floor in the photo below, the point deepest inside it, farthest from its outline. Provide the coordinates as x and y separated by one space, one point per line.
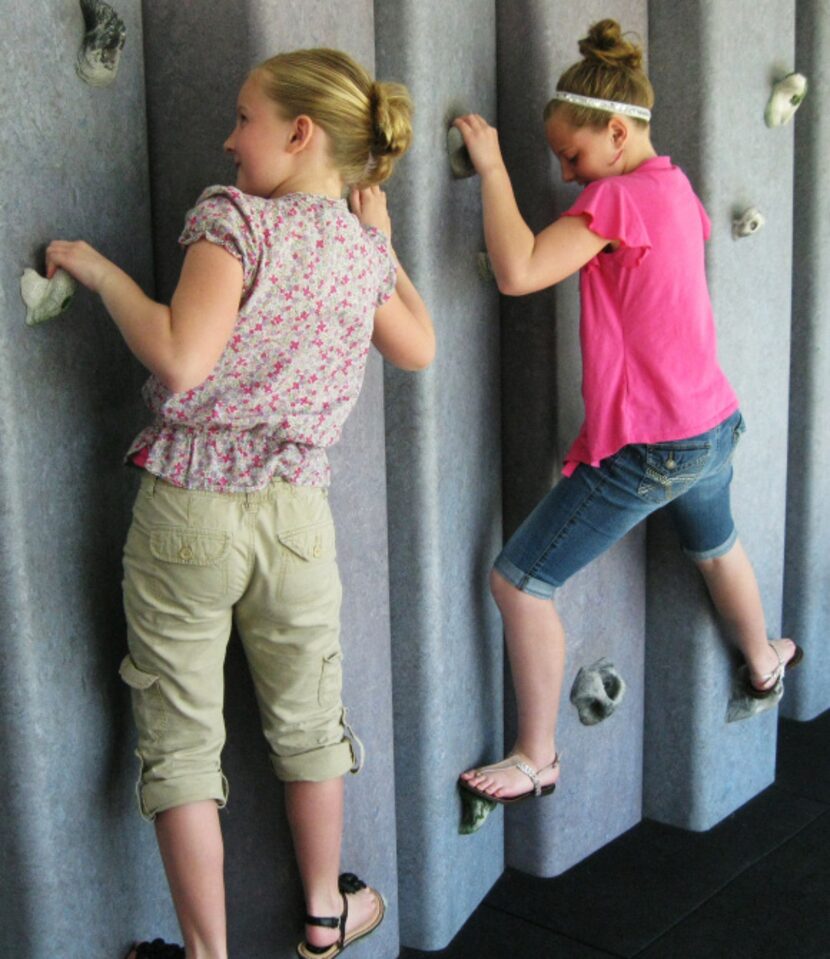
757 886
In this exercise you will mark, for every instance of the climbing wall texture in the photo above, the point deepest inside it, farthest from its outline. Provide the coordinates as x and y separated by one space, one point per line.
806 596
442 450
698 768
433 470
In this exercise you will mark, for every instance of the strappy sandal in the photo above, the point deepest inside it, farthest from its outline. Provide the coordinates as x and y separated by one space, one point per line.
770 681
532 774
157 949
346 883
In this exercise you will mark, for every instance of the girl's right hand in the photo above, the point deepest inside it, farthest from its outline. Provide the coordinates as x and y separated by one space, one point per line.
482 142
80 260
369 206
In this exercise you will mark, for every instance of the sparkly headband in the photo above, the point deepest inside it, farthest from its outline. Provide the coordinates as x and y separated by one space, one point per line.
609 106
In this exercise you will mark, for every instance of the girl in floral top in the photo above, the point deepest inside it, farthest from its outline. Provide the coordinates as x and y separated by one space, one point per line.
255 366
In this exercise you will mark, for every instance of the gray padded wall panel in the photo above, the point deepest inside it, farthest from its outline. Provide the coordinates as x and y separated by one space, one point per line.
197 57
807 576
710 120
444 484
77 871
603 606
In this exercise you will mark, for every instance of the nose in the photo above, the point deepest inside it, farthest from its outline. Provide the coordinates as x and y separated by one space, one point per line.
567 173
227 146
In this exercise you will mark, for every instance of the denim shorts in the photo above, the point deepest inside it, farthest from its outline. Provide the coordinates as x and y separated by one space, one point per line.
589 511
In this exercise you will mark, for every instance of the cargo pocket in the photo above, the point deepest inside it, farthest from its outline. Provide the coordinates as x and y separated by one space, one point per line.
671 468
331 680
309 568
148 705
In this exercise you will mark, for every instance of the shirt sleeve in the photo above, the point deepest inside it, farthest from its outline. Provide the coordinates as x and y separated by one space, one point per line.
387 269
220 216
613 214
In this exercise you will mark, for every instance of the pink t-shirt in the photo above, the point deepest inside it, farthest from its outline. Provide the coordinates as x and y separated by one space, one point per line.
650 371
292 370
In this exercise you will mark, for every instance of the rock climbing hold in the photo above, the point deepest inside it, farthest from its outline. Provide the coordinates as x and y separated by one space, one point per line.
44 298
747 223
460 163
103 42
785 99
597 691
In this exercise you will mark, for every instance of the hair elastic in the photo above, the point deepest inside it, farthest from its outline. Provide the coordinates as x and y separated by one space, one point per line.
608 106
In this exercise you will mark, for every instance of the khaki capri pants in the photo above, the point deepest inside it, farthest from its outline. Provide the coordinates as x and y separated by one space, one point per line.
196 561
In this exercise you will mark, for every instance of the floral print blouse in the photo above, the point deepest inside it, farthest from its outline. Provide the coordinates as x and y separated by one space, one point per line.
292 370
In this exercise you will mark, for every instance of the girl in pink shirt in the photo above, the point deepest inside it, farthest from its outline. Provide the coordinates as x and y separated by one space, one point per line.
661 420
255 365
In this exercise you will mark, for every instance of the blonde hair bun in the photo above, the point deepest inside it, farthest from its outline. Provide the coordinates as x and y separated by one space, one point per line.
605 42
369 124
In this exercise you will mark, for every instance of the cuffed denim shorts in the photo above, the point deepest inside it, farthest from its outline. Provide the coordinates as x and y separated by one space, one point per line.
594 507
196 561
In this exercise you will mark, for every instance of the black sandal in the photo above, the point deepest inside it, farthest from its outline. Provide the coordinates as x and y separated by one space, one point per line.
157 949
346 883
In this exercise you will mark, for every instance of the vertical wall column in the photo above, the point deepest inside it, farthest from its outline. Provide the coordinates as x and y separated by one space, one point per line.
77 872
443 440
197 58
603 606
710 119
806 597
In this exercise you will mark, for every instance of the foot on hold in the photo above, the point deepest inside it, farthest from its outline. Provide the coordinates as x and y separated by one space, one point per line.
789 655
157 949
506 782
363 911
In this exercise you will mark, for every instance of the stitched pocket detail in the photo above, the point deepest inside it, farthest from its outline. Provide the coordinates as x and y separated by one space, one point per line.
309 567
331 680
671 468
148 703
190 547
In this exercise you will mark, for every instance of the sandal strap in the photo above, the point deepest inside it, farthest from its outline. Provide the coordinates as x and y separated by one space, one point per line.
771 678
328 922
533 774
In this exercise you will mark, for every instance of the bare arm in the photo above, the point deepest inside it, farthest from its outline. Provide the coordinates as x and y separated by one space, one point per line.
180 343
403 332
521 262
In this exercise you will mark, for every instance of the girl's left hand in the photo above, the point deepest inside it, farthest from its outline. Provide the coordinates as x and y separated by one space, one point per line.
80 260
369 205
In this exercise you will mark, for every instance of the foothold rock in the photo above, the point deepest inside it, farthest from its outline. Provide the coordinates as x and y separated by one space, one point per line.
103 42
597 691
460 163
742 705
474 811
785 99
44 298
747 223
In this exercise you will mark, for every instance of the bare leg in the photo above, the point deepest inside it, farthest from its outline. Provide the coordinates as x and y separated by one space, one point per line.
536 650
734 590
190 841
315 814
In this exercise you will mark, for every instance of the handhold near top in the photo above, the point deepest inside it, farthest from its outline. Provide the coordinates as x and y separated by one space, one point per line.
460 163
103 42
785 99
44 298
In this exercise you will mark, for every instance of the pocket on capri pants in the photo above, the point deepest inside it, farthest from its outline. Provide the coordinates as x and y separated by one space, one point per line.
669 469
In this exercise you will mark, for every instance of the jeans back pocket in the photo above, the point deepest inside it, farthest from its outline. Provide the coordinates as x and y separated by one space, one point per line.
671 468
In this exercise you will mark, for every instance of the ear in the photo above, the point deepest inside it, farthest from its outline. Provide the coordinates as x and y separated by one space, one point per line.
302 130
618 129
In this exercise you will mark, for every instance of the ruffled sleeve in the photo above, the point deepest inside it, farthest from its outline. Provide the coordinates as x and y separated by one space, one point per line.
222 216
613 214
387 270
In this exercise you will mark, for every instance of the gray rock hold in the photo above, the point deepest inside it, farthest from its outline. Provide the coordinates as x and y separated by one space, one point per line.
597 691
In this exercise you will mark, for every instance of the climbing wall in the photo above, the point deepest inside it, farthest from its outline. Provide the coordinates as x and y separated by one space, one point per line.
77 866
443 442
806 596
433 469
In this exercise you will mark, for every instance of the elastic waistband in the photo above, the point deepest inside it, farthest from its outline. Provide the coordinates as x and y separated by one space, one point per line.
277 487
